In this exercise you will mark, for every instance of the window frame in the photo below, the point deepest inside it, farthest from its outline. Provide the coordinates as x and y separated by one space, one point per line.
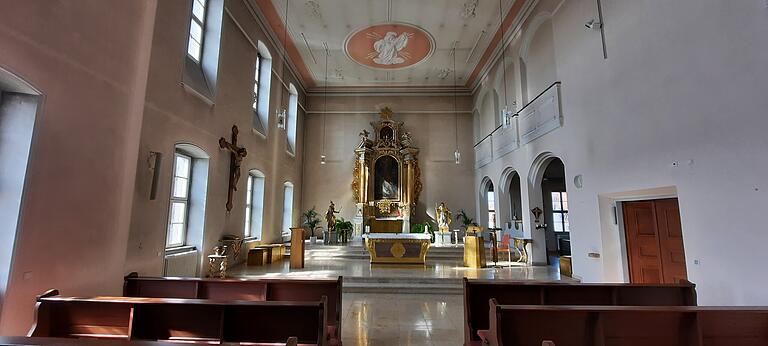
201 22
256 84
286 207
183 200
248 207
560 212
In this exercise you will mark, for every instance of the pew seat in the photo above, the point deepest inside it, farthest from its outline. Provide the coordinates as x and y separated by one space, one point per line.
245 289
478 292
627 325
180 320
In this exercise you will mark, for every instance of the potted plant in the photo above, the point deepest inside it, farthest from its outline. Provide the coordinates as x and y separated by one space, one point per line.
465 220
344 229
311 221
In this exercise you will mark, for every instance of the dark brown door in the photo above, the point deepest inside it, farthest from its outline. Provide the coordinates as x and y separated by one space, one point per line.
654 241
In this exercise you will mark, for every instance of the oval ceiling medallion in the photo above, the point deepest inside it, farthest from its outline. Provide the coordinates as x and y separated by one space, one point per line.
390 46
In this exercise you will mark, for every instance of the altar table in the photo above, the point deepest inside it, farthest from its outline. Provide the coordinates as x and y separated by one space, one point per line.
398 248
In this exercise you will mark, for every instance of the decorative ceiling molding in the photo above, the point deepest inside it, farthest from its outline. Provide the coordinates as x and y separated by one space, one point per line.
276 23
383 90
512 16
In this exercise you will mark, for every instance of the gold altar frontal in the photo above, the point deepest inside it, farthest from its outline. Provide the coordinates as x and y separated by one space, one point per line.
403 248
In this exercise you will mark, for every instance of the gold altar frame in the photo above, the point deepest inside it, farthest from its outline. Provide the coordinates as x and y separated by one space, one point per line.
370 245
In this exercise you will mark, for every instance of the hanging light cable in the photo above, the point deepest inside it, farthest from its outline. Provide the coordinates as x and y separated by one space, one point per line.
281 112
325 101
506 117
457 153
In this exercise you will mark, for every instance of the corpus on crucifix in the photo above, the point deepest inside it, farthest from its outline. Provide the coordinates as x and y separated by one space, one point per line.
237 154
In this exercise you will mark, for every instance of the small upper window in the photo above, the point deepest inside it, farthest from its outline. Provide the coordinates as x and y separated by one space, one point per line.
196 28
293 113
256 84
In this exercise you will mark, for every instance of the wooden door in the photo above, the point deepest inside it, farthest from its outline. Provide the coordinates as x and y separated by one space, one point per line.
654 241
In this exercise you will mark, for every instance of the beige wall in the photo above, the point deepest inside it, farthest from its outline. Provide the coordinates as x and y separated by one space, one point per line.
433 132
174 115
89 60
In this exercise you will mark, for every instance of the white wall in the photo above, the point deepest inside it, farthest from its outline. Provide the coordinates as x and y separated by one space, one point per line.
684 82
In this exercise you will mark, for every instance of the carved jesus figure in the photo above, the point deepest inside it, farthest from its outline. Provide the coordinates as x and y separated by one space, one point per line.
389 47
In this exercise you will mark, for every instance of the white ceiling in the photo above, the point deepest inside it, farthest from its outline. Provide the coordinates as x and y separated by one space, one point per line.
331 21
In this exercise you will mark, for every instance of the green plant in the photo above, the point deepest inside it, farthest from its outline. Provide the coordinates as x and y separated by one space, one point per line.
424 227
311 220
344 229
465 220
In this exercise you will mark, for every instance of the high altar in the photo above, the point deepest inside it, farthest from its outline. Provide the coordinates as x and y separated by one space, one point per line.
386 188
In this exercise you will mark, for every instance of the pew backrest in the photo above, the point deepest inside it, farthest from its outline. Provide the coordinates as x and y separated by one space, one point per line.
190 320
627 325
478 292
241 289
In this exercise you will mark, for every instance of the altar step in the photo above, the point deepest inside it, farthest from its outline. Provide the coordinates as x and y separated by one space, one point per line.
357 252
401 285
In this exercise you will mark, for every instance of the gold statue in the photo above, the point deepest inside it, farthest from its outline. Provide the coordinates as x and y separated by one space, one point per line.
443 216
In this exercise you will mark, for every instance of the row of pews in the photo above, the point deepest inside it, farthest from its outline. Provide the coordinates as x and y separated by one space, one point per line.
561 314
192 310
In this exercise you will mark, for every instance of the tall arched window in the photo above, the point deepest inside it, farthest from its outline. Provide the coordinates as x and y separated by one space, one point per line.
262 81
287 207
293 112
254 205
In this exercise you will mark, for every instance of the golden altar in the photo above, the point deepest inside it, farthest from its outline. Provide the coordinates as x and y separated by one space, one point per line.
386 182
397 248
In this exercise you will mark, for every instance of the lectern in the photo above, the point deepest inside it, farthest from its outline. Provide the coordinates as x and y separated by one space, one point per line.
474 248
297 248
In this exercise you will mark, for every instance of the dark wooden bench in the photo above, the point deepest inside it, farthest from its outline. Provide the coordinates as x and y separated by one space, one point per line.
478 292
180 320
627 325
245 289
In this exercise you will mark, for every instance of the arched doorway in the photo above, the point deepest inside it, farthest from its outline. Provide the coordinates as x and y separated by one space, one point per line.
515 203
488 216
555 211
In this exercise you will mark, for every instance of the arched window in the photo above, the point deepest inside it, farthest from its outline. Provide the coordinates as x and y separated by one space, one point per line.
490 198
262 80
254 205
287 207
293 112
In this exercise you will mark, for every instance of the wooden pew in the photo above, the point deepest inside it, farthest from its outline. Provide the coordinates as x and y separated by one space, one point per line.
180 320
627 325
478 292
245 289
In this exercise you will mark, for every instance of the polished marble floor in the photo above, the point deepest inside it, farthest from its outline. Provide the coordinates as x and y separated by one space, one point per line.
329 267
402 319
397 318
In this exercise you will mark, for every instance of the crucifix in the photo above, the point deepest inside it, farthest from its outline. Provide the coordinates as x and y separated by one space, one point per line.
236 159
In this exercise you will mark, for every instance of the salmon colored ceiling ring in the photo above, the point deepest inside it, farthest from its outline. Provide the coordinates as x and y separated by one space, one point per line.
389 46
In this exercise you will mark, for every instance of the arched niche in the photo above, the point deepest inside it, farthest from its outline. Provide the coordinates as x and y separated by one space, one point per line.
489 110
386 177
537 53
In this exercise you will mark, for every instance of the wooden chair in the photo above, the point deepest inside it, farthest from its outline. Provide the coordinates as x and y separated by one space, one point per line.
506 246
478 292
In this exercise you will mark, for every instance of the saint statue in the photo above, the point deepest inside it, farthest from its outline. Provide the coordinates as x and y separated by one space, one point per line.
443 216
330 217
389 47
